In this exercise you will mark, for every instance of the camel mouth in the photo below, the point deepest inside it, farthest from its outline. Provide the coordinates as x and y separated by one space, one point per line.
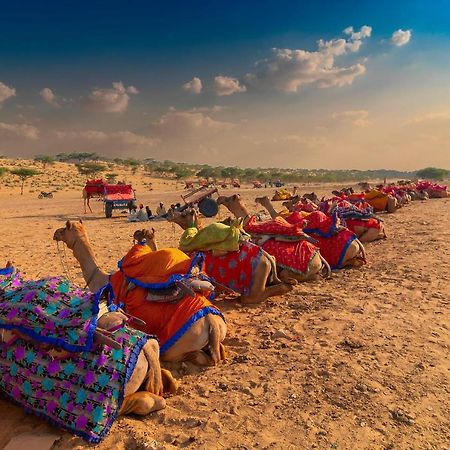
57 235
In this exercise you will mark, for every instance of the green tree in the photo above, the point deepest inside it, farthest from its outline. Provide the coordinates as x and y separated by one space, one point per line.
90 168
433 172
23 173
46 160
111 178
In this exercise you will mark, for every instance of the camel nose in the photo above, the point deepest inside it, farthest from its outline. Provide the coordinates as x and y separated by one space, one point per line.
57 236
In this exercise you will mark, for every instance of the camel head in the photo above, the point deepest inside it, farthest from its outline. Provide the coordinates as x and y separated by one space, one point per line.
312 197
71 233
289 204
185 219
233 203
144 235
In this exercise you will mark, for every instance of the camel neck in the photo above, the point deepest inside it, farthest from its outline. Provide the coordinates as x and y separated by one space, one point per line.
93 275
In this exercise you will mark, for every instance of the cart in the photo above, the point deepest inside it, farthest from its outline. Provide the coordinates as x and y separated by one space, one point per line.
118 196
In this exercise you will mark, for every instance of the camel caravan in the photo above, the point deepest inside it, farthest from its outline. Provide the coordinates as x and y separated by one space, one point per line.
81 357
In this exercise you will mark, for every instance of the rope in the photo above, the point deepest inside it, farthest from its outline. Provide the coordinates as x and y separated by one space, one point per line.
63 259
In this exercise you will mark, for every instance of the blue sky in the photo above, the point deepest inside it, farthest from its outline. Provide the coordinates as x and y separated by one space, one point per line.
366 91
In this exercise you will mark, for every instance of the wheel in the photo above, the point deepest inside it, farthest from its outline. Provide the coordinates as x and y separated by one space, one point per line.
40 196
108 209
50 195
208 207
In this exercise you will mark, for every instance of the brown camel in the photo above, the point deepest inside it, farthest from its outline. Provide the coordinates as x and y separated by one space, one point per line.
205 333
86 200
264 273
143 391
354 255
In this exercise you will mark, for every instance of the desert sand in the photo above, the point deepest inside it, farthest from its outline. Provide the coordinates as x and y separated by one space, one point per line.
360 361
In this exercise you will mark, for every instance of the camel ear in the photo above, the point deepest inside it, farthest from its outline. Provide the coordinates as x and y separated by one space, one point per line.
235 197
80 220
153 230
68 225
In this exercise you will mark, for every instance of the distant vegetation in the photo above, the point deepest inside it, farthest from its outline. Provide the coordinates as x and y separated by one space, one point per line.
92 164
433 173
23 173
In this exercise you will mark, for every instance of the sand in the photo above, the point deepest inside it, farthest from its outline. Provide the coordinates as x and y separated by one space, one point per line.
360 361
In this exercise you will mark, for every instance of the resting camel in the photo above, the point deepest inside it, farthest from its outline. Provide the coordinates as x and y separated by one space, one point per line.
202 329
354 254
142 392
315 264
263 282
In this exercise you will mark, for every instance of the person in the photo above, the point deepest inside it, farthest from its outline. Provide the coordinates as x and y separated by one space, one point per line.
149 212
161 210
142 214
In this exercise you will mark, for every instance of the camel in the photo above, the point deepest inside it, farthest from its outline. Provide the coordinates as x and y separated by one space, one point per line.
354 254
200 344
262 274
143 392
316 266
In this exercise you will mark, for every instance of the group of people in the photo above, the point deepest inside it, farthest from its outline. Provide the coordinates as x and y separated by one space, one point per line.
143 214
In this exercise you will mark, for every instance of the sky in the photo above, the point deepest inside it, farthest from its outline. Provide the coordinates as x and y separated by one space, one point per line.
301 84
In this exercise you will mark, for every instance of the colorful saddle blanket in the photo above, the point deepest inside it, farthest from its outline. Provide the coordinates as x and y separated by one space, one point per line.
235 270
142 269
83 392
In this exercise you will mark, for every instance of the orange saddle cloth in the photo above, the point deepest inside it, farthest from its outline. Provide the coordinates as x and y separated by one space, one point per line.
145 268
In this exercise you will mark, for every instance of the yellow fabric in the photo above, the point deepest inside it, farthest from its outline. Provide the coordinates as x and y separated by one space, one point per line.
377 199
282 194
217 237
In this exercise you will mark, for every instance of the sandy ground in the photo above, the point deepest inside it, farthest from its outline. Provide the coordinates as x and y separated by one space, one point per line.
360 361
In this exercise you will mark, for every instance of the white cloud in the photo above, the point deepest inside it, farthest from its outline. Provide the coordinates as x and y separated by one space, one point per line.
401 37
111 100
49 97
14 130
122 138
189 123
6 92
194 86
227 86
288 70
358 118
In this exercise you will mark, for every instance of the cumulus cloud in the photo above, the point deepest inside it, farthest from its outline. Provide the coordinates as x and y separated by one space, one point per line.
111 100
49 97
401 37
227 86
358 118
6 92
288 70
194 86
18 130
189 123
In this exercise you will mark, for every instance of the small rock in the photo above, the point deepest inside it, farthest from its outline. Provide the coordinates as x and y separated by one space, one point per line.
280 334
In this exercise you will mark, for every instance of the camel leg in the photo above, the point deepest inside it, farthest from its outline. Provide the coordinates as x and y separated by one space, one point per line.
206 333
315 268
142 403
392 205
89 204
372 234
355 255
259 292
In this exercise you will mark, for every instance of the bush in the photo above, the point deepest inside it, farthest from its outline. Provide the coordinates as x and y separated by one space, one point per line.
432 173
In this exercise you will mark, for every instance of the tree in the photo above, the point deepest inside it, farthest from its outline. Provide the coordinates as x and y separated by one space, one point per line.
111 178
23 173
432 172
45 160
90 168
